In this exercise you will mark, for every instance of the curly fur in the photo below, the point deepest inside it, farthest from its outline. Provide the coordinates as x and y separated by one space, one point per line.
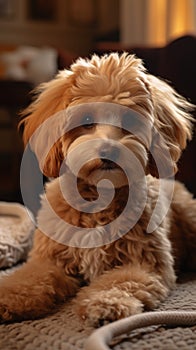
136 271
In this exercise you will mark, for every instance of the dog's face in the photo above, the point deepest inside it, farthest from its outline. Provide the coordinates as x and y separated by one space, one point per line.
110 105
106 141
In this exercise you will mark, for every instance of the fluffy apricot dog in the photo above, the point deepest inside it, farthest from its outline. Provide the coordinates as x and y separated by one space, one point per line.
111 230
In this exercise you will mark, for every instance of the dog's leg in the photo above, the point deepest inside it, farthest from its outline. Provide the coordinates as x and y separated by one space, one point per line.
34 290
119 293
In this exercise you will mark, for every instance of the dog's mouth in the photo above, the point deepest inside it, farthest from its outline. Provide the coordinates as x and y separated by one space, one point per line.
103 169
107 164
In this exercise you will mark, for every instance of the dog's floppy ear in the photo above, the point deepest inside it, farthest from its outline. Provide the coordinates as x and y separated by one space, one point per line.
51 97
172 127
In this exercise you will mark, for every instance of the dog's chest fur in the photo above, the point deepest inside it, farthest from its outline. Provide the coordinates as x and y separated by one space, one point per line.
108 243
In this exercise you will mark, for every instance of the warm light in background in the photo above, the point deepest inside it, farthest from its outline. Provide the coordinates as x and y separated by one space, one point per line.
181 19
155 22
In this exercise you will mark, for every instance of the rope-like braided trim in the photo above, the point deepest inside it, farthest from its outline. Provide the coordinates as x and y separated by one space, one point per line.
100 338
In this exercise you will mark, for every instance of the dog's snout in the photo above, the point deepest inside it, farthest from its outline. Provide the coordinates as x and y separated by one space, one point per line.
109 152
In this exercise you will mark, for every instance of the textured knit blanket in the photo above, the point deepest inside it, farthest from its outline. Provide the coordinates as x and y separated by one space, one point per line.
16 228
65 331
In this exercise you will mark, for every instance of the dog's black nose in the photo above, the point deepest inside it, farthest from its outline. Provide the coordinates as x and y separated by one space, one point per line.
109 152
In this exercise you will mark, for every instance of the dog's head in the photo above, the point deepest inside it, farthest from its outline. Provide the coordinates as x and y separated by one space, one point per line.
88 116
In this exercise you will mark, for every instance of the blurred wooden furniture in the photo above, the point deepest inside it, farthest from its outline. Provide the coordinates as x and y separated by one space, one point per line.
14 95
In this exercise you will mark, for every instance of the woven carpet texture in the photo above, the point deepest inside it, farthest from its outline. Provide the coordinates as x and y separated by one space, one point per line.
65 331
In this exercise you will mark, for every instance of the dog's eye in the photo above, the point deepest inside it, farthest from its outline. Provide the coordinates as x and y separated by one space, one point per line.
88 121
130 122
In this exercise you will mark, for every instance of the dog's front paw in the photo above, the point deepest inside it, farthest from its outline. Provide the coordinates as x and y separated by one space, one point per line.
5 314
100 307
10 308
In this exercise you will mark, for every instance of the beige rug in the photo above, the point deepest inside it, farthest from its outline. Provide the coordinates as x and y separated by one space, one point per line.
65 331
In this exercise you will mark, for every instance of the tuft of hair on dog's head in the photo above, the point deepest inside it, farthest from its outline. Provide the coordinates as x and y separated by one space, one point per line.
120 79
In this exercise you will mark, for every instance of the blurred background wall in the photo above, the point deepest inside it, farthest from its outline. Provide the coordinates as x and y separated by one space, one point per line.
76 25
70 24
